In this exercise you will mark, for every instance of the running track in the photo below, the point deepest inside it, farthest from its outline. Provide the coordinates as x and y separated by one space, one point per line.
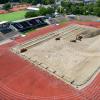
20 80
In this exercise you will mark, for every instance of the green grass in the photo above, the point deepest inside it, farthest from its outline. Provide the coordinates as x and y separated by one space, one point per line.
63 21
12 16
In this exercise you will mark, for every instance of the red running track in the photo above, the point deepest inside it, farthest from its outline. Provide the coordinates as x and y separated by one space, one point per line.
20 80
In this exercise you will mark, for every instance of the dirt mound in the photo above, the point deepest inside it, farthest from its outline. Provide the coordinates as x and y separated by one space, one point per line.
90 33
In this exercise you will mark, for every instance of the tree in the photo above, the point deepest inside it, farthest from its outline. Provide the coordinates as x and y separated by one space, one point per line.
31 14
96 8
34 2
60 10
50 10
43 11
29 1
7 6
51 1
75 9
98 3
46 2
66 4
3 1
90 9
81 10
97 11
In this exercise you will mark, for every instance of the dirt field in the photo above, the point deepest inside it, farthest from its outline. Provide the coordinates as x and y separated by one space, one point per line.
73 62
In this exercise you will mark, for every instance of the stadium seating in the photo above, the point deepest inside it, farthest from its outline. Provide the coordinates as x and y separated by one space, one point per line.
27 24
6 31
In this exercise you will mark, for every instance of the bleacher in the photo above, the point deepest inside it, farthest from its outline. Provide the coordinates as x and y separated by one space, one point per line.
30 23
4 27
6 31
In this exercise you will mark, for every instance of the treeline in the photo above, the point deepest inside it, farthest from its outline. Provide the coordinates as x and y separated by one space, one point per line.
34 2
80 8
4 1
45 2
66 7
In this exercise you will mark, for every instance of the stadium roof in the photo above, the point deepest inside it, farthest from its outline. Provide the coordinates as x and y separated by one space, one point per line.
2 22
27 19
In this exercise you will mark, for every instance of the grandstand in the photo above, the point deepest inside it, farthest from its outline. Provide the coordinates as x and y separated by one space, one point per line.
12 29
6 31
29 23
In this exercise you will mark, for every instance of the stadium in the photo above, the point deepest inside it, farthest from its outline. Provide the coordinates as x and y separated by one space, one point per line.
56 62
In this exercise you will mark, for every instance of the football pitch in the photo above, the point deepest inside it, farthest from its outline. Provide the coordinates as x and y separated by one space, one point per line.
12 16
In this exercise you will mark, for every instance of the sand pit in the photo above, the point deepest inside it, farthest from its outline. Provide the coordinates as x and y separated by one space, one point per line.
75 63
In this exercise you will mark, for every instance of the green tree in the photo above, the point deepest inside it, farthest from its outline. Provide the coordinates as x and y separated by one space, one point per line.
81 10
97 11
43 11
75 9
51 1
90 9
98 3
31 14
34 2
29 1
3 1
60 10
7 6
46 2
50 10
66 4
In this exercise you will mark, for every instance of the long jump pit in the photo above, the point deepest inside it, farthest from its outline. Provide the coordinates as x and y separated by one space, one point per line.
71 54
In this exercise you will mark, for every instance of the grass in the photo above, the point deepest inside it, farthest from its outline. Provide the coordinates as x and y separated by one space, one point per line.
12 16
63 21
